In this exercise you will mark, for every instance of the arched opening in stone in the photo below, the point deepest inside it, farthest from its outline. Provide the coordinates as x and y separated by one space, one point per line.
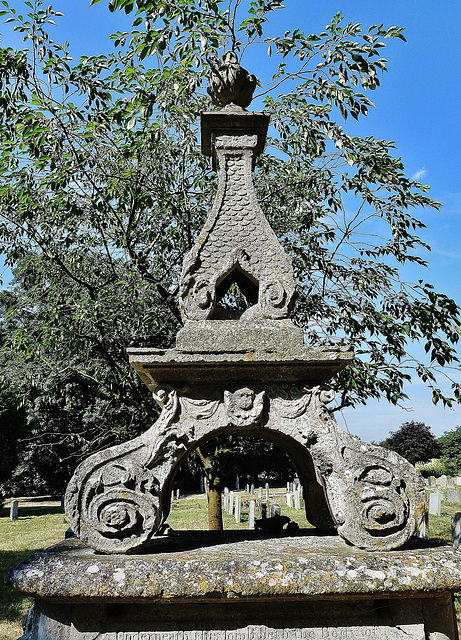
236 292
309 510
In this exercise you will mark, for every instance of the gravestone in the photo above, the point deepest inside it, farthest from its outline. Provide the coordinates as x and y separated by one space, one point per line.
251 514
456 530
289 499
435 503
442 482
237 508
245 372
230 510
14 510
453 495
297 500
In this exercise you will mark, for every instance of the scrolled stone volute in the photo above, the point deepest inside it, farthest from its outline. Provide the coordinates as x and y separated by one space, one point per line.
230 83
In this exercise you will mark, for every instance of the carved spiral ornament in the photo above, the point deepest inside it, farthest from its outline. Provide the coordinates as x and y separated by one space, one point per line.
273 298
119 505
378 507
114 506
383 513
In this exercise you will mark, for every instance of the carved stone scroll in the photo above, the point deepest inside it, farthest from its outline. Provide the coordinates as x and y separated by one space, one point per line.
119 498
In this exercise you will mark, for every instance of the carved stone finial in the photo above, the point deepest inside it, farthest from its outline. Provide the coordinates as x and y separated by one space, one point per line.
230 83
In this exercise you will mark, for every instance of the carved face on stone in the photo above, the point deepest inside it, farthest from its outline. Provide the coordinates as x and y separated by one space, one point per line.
244 407
244 399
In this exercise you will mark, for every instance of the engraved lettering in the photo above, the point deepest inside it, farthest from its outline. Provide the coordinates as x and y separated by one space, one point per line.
256 632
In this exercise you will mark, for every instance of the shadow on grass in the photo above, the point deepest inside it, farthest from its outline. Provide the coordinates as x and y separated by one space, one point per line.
13 603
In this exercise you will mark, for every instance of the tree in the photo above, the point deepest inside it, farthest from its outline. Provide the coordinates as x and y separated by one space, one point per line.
414 441
225 457
104 189
450 444
51 417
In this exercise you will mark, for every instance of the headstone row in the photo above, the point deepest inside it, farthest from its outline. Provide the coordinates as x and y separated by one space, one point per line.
445 482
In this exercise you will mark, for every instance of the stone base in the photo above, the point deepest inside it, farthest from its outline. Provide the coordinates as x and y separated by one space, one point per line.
241 586
227 336
379 619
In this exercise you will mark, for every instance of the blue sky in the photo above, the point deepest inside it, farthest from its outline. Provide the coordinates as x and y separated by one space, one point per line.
418 105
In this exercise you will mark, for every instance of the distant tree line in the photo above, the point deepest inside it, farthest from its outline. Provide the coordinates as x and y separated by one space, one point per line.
416 442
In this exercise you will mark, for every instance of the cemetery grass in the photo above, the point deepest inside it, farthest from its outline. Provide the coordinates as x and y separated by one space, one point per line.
41 523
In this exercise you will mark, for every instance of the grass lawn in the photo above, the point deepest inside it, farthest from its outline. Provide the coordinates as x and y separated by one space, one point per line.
41 523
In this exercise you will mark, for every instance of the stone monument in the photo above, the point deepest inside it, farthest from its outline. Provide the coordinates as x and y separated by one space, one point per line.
243 371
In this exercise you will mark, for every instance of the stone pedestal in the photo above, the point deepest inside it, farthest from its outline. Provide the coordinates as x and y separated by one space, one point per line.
241 586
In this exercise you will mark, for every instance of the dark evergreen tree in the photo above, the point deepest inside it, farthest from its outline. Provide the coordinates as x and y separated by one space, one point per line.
414 441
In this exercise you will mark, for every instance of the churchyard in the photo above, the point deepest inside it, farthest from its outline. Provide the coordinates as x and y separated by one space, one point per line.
41 523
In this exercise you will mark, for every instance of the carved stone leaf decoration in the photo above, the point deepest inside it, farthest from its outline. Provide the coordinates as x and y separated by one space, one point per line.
199 409
244 407
230 83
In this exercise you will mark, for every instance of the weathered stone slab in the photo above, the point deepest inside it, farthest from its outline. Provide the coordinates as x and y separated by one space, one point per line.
229 335
309 364
289 621
242 586
246 564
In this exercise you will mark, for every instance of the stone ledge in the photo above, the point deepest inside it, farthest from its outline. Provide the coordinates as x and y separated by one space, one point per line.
308 365
202 566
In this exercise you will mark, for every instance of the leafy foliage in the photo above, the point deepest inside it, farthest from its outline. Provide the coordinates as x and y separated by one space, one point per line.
450 443
104 189
414 441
